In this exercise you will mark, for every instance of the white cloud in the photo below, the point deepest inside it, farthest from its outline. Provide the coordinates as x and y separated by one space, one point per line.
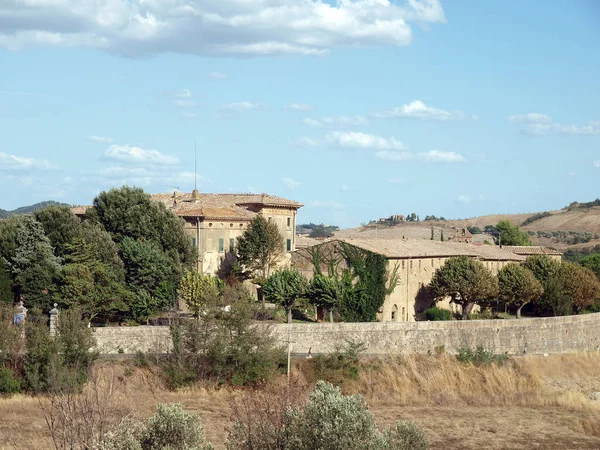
353 139
536 124
341 121
218 28
597 164
419 110
326 204
430 156
465 199
299 106
137 155
217 76
183 93
21 163
291 183
239 107
101 139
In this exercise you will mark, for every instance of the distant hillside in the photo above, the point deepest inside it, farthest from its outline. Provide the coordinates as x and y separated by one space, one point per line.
29 209
575 226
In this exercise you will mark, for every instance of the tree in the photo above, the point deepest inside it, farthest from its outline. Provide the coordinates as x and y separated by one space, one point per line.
509 234
518 286
432 236
466 281
325 292
259 248
6 293
60 225
442 236
548 272
34 265
198 291
581 285
285 287
592 262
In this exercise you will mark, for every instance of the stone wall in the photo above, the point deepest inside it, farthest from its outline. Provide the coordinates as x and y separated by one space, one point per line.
541 335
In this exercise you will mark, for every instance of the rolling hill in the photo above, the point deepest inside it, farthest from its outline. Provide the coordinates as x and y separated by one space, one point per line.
29 209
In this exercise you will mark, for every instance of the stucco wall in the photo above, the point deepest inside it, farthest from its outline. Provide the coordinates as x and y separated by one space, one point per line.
541 335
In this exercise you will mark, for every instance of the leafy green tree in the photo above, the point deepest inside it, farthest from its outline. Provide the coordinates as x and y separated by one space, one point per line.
60 225
285 287
509 234
259 248
466 281
518 286
592 262
86 282
325 292
34 265
103 247
548 272
6 293
581 285
198 291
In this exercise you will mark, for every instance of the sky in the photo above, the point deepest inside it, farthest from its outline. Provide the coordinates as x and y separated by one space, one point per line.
359 109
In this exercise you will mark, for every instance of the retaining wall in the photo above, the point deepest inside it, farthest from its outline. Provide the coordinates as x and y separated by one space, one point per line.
567 334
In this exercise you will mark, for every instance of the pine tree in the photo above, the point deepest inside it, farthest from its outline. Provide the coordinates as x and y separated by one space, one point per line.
442 237
432 233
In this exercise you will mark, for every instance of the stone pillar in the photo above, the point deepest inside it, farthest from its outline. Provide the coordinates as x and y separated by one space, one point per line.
54 320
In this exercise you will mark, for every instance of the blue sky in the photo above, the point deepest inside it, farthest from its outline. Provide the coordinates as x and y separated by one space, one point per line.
358 109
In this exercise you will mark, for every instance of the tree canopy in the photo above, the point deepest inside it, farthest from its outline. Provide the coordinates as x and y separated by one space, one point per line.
592 262
284 287
581 285
509 234
326 292
466 281
518 286
198 291
259 248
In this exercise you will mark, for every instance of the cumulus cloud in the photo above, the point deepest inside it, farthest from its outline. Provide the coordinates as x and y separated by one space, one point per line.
131 154
21 163
418 110
434 156
299 106
597 164
291 183
357 140
219 28
341 121
464 199
537 124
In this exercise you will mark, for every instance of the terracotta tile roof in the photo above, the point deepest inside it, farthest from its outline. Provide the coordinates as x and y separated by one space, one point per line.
215 213
225 200
421 248
531 250
79 210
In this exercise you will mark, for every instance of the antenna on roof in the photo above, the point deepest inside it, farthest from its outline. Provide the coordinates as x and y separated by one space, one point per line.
195 165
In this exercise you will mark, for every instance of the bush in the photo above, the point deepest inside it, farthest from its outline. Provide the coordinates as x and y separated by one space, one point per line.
480 356
337 367
9 384
436 314
327 420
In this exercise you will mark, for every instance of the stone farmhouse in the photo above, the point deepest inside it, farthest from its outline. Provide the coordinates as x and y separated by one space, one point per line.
214 221
416 261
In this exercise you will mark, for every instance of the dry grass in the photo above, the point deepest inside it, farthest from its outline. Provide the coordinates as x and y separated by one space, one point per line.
534 402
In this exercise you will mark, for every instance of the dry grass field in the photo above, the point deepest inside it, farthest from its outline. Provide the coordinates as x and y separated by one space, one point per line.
533 402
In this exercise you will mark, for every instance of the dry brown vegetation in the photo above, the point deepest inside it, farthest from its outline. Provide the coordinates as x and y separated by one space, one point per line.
529 402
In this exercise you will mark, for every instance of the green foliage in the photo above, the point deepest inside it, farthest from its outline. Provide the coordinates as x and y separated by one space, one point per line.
259 248
474 230
404 435
364 283
29 209
442 236
198 291
574 205
580 284
518 286
6 293
592 262
170 428
34 265
567 237
60 226
326 292
436 314
285 287
509 234
337 367
9 384
575 255
466 281
480 356
536 217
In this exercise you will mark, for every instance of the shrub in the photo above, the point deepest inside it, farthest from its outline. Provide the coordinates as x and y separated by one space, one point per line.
405 435
436 314
9 384
480 356
336 367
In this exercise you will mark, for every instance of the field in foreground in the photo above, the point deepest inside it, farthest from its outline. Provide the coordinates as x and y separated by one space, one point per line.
533 403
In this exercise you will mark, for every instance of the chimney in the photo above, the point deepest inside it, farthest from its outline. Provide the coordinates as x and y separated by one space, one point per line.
195 195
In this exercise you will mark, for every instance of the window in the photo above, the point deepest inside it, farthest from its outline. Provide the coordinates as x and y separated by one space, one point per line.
231 244
221 244
210 224
411 263
288 245
404 313
194 242
289 221
419 264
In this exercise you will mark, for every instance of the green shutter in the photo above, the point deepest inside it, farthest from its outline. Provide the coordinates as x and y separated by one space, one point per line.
231 244
288 245
221 245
